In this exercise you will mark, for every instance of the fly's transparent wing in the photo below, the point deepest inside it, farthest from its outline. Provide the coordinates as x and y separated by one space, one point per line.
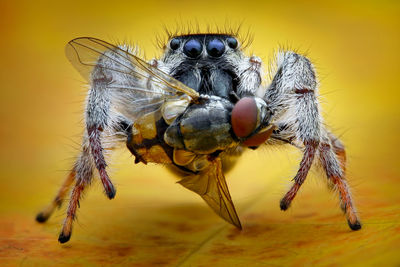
135 86
210 184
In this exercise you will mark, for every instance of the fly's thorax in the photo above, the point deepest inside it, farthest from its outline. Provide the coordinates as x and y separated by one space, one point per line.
203 128
173 108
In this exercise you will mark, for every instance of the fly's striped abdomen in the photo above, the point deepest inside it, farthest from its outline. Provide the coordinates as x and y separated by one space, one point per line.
195 131
146 141
203 128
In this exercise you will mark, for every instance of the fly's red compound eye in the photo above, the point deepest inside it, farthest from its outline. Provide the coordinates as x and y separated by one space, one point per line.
244 117
245 120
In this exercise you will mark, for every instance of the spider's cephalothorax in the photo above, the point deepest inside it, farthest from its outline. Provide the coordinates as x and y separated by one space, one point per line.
211 64
196 107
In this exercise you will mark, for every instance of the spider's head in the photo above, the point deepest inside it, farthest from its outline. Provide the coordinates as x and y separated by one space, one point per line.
212 64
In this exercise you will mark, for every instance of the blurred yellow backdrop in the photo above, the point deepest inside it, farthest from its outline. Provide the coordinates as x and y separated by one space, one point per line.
355 48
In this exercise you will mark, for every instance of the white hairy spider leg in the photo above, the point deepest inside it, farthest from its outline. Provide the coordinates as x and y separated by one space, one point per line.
112 136
292 96
292 99
83 168
97 119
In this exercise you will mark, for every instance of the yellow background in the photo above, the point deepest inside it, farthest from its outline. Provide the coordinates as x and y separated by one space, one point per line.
355 48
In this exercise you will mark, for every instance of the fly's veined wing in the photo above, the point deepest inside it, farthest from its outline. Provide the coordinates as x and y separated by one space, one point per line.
210 184
132 80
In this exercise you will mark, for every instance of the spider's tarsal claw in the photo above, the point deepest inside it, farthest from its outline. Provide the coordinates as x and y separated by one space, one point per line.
284 204
42 217
109 188
63 238
355 226
110 191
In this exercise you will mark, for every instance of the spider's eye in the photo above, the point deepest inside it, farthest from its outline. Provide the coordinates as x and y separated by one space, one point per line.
192 48
174 44
232 42
215 48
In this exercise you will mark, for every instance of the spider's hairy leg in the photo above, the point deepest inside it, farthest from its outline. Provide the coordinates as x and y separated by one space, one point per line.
292 97
83 167
45 214
307 133
305 165
66 231
333 159
100 162
97 119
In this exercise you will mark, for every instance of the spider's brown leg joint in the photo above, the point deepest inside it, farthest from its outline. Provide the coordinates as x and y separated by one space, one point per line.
63 238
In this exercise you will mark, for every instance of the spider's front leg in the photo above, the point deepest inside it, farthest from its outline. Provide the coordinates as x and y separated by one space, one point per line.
106 128
292 96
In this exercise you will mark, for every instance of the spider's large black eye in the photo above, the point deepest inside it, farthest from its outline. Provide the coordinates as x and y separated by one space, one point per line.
215 48
192 48
232 42
174 44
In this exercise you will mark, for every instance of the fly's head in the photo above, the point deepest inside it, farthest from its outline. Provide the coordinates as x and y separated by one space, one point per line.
251 121
212 64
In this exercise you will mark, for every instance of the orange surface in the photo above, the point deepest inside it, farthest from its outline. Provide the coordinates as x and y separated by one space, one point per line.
153 220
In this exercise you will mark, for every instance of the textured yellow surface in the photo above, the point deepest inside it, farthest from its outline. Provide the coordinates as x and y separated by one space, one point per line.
153 220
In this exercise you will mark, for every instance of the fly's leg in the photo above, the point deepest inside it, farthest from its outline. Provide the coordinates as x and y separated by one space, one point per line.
57 201
333 159
292 96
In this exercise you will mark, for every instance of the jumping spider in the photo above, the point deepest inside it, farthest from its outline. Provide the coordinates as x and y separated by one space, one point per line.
197 106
